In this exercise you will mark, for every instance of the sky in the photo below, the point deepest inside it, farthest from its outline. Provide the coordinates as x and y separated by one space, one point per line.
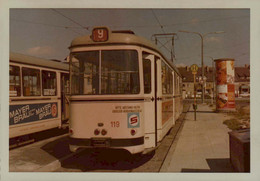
47 33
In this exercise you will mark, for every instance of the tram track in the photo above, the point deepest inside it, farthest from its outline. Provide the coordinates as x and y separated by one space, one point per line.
165 146
25 140
120 161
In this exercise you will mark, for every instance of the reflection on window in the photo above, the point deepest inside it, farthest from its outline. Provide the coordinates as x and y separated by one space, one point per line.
31 82
65 82
49 86
167 80
147 75
14 81
180 84
176 84
85 77
119 72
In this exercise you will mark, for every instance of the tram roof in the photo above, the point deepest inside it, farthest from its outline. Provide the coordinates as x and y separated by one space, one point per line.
35 61
120 38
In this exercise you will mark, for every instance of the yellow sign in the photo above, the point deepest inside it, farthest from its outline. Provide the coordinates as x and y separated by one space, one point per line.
194 68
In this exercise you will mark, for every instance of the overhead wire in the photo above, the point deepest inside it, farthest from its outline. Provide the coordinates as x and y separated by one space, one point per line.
141 26
71 19
51 25
164 45
175 24
158 22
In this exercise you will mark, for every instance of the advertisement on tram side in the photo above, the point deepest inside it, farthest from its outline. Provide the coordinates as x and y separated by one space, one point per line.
25 113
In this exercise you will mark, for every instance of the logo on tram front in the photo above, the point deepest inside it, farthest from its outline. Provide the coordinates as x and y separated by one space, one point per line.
133 120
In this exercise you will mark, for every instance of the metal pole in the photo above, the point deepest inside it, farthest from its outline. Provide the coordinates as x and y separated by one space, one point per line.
194 106
213 80
202 63
214 77
212 99
202 67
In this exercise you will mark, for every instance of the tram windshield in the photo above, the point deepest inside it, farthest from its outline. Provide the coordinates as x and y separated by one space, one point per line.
105 72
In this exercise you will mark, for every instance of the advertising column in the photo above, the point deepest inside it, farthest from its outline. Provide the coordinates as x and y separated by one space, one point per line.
225 79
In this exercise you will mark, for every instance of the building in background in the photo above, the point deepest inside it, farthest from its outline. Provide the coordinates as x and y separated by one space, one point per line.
242 82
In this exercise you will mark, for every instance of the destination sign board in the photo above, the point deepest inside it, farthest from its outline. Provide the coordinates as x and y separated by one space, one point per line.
100 34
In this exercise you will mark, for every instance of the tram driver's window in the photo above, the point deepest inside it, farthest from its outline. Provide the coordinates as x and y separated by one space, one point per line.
14 81
31 82
147 75
49 83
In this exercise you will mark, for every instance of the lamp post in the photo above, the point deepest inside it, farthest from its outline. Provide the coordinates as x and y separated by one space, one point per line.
202 63
213 79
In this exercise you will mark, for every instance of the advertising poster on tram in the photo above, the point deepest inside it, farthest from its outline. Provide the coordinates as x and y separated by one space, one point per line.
26 113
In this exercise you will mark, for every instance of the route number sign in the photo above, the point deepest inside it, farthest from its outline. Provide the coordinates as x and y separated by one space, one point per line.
100 34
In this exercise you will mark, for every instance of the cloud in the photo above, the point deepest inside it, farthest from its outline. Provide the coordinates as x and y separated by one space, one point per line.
40 50
213 39
194 21
181 65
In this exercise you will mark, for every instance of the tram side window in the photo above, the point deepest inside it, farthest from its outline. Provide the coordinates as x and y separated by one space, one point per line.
167 79
147 75
164 83
175 84
14 81
31 82
180 85
49 83
170 78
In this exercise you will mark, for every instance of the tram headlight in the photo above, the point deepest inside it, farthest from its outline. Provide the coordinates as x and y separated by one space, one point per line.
97 131
133 132
104 132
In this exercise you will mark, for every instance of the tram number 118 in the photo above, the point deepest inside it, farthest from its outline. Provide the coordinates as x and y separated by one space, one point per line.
115 124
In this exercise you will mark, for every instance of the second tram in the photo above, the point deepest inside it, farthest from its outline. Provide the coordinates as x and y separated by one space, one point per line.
37 89
124 93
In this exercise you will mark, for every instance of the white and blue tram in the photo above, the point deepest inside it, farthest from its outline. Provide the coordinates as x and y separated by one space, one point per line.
124 93
37 88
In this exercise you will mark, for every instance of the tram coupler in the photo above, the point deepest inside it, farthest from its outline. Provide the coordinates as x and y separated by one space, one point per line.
195 107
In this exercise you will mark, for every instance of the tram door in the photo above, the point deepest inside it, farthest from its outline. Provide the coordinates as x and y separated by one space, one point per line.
150 104
64 91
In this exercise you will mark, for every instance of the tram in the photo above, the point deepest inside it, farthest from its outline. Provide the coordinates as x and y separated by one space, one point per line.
124 94
37 89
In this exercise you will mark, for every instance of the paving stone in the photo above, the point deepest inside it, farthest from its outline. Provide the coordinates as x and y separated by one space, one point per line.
203 145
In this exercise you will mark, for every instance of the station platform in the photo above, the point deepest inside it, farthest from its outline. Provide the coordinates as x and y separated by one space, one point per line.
202 145
42 156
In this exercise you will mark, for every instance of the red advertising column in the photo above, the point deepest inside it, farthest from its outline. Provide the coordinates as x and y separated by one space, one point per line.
225 79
